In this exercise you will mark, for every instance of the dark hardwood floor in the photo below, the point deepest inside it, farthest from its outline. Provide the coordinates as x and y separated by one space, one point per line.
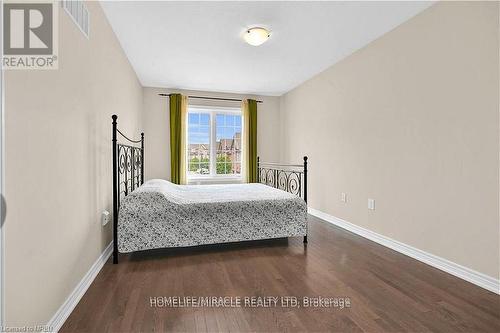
389 292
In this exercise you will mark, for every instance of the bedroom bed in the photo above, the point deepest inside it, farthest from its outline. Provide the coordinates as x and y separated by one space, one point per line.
159 214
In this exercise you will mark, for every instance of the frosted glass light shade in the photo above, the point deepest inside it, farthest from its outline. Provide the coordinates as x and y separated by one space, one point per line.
256 36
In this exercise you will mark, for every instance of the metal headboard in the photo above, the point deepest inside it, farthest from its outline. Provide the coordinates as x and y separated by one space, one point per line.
128 173
291 178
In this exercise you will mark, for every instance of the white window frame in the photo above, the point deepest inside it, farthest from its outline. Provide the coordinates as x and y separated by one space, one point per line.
213 176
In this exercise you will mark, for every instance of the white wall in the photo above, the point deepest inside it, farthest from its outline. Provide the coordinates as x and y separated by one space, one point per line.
58 165
411 120
157 131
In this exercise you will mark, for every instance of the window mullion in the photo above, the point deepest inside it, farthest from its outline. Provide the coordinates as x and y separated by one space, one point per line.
213 142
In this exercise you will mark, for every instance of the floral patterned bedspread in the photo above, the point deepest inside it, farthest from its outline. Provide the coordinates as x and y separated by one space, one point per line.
160 214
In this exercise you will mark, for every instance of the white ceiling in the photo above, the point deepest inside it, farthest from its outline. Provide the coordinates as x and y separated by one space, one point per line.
198 45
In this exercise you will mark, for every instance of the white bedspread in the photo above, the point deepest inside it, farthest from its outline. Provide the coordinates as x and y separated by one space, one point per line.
186 194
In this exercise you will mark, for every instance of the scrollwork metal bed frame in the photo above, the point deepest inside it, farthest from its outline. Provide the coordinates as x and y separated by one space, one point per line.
128 174
291 178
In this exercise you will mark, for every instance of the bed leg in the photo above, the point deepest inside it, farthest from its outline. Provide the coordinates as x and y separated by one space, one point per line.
305 239
115 257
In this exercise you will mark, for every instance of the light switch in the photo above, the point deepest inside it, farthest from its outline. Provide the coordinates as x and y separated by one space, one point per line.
344 197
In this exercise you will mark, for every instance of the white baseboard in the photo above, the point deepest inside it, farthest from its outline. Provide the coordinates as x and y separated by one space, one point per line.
69 305
467 274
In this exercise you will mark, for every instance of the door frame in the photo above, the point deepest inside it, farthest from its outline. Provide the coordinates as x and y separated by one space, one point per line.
2 176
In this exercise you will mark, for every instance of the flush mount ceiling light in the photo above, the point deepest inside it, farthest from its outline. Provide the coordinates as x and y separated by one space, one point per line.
256 36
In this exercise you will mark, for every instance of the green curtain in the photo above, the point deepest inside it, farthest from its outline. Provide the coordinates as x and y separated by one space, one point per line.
251 157
178 109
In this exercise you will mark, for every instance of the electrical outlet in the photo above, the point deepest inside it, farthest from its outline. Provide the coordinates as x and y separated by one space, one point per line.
371 204
105 218
344 197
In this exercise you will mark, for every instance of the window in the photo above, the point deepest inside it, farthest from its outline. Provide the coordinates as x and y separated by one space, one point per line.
214 142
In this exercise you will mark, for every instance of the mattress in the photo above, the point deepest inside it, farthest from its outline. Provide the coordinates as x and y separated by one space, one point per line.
160 214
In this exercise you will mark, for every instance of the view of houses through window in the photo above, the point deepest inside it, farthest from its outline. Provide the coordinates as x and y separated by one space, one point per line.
214 142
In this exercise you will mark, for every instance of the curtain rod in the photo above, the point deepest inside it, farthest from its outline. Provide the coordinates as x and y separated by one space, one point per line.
211 98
